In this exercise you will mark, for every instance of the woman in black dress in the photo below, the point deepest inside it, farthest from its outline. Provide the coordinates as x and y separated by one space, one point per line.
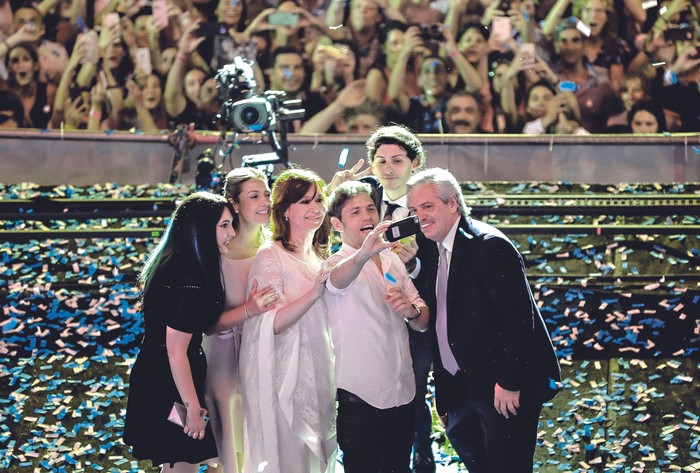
183 296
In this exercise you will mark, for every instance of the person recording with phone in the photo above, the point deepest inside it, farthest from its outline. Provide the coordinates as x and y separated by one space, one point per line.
395 154
424 112
594 93
551 112
370 300
287 25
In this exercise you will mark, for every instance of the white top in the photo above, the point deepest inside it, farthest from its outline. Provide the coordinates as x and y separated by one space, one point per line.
399 213
370 340
449 244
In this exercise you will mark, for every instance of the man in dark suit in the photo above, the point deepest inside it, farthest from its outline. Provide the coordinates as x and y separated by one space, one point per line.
494 363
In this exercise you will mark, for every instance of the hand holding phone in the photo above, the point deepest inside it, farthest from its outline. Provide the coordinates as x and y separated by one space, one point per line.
501 29
142 58
527 54
88 41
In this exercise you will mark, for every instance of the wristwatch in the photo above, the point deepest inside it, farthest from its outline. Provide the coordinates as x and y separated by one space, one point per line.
414 317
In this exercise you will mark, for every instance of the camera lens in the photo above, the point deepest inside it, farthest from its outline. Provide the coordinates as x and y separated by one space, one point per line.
250 115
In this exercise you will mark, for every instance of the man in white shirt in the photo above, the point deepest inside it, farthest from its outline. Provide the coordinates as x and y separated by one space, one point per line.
370 298
395 154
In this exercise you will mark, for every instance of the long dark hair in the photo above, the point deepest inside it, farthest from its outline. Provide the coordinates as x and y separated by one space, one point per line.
290 187
191 237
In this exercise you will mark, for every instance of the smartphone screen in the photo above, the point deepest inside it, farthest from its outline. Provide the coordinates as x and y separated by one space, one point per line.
89 41
283 19
567 85
160 12
142 57
343 158
501 28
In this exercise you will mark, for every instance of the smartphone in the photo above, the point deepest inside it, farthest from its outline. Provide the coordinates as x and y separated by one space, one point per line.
89 41
679 33
209 29
142 58
160 12
403 228
527 52
501 28
282 18
567 85
343 158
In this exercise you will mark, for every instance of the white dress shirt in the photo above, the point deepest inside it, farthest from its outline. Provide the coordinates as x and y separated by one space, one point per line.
399 213
449 244
370 340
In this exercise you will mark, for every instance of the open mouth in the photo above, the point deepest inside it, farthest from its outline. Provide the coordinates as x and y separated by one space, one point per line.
367 228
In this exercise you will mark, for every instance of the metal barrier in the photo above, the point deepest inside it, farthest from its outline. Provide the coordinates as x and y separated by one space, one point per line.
82 158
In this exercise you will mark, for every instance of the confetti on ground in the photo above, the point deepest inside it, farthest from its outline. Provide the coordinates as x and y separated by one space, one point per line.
622 311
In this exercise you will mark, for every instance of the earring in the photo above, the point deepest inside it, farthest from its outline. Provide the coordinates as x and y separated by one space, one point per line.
286 219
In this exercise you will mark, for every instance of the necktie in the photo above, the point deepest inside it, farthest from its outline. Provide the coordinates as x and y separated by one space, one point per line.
390 207
448 359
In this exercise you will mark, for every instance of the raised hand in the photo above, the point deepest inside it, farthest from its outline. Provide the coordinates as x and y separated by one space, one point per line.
406 249
351 174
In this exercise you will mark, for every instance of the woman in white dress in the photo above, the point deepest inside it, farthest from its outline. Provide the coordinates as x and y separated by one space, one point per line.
247 190
286 353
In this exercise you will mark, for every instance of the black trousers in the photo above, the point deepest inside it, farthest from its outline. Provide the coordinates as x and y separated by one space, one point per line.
487 442
374 440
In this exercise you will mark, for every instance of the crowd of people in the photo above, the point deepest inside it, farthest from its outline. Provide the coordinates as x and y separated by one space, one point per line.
450 66
296 350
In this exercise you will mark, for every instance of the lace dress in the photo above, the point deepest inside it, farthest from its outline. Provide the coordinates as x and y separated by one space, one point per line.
287 379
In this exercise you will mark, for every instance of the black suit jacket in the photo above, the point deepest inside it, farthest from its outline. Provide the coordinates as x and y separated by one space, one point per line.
494 327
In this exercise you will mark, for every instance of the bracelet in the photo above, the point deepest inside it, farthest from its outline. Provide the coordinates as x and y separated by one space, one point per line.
95 113
182 58
453 54
245 310
414 317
